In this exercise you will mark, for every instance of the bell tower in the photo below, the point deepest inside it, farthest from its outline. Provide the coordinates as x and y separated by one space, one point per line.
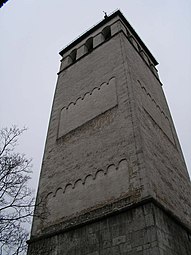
113 178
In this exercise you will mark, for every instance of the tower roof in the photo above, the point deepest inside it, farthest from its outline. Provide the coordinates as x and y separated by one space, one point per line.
102 23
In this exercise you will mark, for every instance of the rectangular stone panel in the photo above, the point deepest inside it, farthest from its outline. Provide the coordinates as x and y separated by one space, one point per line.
156 112
88 193
87 107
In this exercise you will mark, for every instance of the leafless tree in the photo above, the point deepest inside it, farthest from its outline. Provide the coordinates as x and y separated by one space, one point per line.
16 199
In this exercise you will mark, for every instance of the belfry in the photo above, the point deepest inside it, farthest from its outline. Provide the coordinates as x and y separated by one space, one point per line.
113 177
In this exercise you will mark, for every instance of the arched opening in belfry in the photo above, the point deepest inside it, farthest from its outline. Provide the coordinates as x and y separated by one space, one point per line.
73 55
89 44
106 33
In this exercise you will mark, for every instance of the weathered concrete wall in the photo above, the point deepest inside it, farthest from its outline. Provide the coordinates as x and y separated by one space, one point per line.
145 230
166 171
111 144
126 118
92 145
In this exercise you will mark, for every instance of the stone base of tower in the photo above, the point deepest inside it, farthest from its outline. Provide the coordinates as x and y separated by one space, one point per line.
142 230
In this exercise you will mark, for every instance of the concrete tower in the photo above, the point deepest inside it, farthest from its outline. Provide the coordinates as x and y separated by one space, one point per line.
113 177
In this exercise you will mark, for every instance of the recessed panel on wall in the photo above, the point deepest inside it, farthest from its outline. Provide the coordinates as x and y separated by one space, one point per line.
87 107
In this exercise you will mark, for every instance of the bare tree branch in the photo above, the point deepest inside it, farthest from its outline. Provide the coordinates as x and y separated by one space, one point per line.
16 199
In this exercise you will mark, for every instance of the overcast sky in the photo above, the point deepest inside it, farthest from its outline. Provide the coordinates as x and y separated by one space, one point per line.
32 32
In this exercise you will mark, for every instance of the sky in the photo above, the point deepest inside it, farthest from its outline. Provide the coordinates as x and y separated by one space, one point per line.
32 32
